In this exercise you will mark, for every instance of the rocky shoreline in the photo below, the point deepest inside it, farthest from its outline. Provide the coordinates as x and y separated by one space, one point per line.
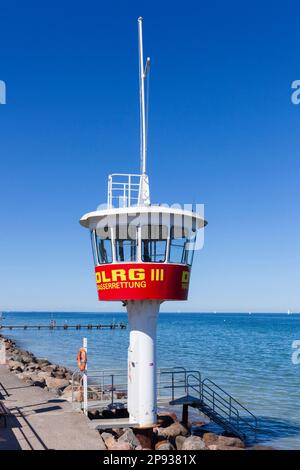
169 434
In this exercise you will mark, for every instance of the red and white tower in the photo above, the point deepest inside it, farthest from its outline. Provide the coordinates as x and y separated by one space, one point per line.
143 255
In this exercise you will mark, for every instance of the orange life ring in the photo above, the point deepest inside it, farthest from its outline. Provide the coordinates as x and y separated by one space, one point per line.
82 359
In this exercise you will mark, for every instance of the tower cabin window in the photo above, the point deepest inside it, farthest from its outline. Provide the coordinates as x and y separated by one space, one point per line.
181 247
126 250
154 243
102 247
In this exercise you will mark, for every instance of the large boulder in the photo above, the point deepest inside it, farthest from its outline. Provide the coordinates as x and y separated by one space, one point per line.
27 358
230 442
68 375
43 363
39 383
215 442
179 441
56 384
35 377
32 366
210 438
164 445
43 375
193 443
144 436
113 444
93 413
24 376
129 436
15 356
121 446
175 429
109 439
67 393
49 368
16 365
221 447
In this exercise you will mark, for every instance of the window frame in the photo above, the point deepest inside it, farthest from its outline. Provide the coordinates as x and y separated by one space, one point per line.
110 238
165 239
185 253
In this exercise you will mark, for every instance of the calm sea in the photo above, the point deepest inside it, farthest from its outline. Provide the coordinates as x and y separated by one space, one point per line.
248 355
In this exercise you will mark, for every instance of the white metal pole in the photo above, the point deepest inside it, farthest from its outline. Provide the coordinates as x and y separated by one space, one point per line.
142 98
142 387
85 391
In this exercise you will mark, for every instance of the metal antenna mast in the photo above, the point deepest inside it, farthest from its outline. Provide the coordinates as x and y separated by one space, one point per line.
142 76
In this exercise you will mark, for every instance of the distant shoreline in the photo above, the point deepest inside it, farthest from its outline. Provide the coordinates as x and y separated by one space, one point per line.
53 312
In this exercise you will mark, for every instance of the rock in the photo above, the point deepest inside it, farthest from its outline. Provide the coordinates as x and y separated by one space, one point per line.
39 383
43 375
27 358
130 437
57 384
59 374
67 394
43 363
145 437
29 377
24 377
94 393
164 421
77 396
109 440
164 445
48 368
171 415
210 438
175 429
222 447
93 414
179 442
32 366
215 442
193 443
16 365
230 442
121 446
35 377
16 356
118 431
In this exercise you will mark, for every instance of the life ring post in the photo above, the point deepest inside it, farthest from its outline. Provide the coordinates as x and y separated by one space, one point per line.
82 365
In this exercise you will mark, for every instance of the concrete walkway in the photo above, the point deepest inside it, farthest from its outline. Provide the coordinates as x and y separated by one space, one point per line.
41 421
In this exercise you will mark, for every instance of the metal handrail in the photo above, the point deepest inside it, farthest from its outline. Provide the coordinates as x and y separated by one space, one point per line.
126 191
232 409
210 398
232 399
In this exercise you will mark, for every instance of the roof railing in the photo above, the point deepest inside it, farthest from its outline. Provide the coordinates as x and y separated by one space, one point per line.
123 190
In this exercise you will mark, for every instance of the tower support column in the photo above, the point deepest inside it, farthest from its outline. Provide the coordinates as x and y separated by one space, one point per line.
142 387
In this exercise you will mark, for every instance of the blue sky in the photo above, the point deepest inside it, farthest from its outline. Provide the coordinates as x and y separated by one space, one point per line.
223 132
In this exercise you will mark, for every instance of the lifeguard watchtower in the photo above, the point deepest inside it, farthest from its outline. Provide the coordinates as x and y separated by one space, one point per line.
143 255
